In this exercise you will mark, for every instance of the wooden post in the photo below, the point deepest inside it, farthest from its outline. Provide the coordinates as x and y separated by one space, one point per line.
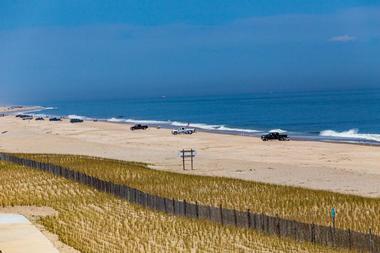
278 226
197 209
332 236
173 201
221 213
183 159
191 154
248 218
165 207
235 217
349 239
184 206
209 212
370 241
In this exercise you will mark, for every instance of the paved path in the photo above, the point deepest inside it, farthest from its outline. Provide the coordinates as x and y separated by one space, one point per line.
18 235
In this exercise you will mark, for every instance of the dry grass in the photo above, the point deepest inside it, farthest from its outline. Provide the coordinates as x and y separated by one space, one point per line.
91 221
311 206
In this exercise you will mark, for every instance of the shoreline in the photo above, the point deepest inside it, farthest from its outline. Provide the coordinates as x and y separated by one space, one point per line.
174 124
9 110
257 136
337 167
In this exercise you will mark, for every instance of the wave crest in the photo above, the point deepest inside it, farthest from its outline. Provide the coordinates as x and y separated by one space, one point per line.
350 134
281 131
73 116
183 124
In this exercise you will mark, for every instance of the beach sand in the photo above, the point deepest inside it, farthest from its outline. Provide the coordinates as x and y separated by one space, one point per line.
16 109
344 168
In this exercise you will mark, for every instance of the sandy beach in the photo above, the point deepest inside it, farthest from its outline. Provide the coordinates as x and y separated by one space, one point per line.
344 168
16 109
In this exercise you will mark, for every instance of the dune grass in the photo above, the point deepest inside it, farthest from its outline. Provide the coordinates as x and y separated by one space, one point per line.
91 221
310 206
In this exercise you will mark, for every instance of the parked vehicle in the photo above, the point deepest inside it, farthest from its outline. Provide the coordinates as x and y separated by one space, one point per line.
55 119
76 120
40 118
183 130
27 117
139 127
22 116
275 136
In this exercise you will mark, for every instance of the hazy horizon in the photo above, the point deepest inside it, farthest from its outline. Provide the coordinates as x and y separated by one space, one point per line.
68 50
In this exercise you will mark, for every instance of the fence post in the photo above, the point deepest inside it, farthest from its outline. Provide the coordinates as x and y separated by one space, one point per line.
248 218
221 213
235 217
173 201
332 236
313 233
165 207
209 212
349 239
278 226
370 241
197 209
183 159
184 206
192 158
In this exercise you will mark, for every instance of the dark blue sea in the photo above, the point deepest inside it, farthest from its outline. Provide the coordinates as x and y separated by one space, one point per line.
349 116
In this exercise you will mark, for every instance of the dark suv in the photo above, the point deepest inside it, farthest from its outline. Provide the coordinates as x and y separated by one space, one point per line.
139 127
275 136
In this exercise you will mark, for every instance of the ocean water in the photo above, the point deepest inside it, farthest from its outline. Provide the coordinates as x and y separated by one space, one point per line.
350 116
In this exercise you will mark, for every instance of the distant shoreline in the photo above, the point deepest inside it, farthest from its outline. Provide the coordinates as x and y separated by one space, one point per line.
171 125
12 109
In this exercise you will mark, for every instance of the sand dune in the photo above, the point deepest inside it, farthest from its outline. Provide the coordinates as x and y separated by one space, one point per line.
337 167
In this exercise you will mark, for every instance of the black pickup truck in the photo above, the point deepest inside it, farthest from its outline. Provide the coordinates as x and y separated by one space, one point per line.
139 127
275 136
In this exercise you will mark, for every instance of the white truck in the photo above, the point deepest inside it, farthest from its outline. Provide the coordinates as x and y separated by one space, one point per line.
183 130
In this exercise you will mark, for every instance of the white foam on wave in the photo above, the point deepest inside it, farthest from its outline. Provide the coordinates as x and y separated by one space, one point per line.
277 131
213 127
223 128
350 134
146 121
196 125
38 115
73 116
183 124
155 122
115 120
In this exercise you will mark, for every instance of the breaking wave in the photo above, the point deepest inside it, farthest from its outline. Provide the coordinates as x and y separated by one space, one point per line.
183 124
73 116
212 127
281 131
350 134
155 122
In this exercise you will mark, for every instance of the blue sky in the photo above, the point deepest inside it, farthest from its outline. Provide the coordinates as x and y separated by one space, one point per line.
104 49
